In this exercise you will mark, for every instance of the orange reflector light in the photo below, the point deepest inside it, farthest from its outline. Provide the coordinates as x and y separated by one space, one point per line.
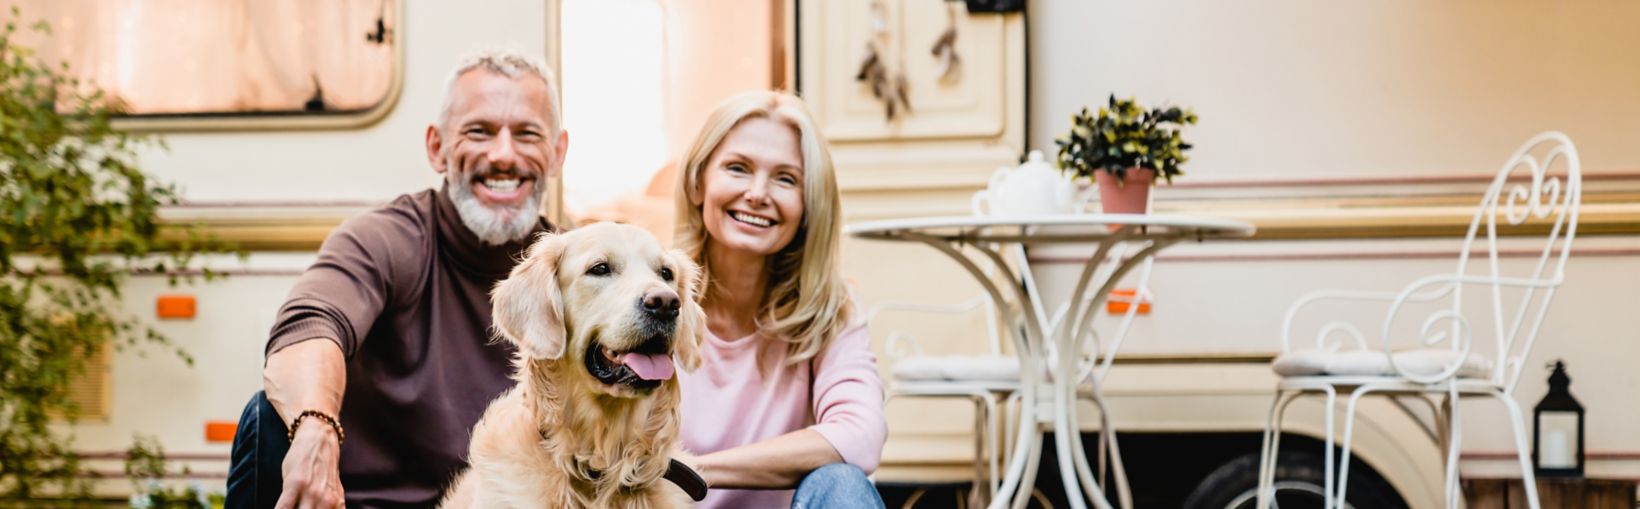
174 306
1121 298
219 432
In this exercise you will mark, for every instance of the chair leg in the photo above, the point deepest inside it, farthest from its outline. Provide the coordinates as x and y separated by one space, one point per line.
1330 485
1519 424
1272 443
977 489
1443 422
994 449
986 467
1455 442
1344 445
1010 410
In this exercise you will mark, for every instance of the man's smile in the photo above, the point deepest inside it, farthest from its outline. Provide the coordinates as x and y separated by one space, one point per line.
503 189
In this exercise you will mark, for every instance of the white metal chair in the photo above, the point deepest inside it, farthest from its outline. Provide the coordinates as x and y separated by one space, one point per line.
1529 196
984 379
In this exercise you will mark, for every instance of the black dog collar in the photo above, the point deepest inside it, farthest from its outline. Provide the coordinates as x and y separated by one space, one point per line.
686 478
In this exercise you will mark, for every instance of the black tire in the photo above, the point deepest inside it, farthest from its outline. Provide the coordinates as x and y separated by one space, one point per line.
1299 480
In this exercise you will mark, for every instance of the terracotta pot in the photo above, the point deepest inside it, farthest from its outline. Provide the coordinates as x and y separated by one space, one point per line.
1130 195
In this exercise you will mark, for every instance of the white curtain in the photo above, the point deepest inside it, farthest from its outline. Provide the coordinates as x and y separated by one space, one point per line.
222 56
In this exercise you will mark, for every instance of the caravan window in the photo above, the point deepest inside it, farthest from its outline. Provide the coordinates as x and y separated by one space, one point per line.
235 58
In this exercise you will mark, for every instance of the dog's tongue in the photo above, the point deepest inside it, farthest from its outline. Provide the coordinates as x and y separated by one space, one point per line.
650 366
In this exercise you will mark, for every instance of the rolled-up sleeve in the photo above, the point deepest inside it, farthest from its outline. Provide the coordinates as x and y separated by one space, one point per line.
848 399
360 266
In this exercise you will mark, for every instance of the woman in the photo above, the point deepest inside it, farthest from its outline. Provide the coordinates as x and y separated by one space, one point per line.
788 393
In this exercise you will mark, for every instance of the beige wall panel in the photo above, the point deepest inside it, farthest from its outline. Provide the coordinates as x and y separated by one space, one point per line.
1294 89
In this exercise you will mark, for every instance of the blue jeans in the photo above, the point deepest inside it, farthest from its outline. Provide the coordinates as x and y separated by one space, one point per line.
838 485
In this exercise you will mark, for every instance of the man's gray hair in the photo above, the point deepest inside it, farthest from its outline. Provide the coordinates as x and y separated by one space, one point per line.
511 64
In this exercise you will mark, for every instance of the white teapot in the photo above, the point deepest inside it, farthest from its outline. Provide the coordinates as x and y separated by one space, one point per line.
1035 187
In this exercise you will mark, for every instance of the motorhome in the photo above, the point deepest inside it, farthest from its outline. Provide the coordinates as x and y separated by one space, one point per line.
1356 139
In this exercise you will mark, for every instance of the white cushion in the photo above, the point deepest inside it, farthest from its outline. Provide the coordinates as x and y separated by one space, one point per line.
918 368
957 367
1423 361
1341 363
1432 361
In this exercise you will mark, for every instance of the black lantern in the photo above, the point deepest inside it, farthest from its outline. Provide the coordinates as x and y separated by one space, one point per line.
996 6
1557 431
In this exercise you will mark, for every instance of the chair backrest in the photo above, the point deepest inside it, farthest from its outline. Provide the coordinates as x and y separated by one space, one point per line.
1534 197
897 338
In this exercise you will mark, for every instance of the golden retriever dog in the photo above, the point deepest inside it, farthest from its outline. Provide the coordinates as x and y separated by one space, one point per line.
598 315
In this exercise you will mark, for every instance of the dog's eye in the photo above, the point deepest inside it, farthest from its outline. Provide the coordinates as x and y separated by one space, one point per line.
601 269
666 274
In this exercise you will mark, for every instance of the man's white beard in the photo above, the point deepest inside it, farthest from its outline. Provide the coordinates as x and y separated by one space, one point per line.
494 227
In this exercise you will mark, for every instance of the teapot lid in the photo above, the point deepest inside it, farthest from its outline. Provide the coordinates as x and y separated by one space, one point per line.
1036 159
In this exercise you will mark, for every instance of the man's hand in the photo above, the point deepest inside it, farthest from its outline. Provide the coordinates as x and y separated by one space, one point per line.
312 476
309 375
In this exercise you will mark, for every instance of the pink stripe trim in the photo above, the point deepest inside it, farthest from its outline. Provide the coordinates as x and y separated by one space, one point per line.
1414 255
201 273
118 474
234 204
228 272
175 456
1374 181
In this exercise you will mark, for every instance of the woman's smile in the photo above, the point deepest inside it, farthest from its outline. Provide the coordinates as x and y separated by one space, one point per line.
752 219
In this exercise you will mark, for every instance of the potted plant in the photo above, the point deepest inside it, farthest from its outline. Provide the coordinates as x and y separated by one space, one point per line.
1123 149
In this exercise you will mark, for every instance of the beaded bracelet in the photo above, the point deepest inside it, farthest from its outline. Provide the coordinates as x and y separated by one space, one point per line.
291 433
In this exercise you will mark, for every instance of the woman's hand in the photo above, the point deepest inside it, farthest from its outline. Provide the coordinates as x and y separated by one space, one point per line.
777 463
694 463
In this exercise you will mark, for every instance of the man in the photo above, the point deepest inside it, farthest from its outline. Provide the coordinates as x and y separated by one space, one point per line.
393 318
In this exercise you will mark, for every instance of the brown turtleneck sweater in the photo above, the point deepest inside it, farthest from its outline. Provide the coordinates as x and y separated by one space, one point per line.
405 291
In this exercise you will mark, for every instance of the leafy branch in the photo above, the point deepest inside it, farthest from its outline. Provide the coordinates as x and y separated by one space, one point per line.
77 217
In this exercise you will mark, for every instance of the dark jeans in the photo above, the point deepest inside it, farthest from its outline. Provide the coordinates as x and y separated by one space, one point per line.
255 475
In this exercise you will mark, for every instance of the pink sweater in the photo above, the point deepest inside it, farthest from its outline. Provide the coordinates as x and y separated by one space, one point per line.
736 398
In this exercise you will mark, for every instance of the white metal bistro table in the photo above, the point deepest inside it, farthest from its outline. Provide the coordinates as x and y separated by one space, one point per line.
1047 403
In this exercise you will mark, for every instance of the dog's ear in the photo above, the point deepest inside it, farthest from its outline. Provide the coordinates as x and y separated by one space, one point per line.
528 307
691 318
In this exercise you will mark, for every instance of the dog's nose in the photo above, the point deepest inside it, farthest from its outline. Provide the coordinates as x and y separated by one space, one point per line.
662 304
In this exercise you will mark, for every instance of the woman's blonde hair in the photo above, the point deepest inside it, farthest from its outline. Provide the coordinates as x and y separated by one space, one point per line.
806 303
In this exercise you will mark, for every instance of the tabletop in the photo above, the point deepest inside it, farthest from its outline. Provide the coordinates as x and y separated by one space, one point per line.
1050 228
